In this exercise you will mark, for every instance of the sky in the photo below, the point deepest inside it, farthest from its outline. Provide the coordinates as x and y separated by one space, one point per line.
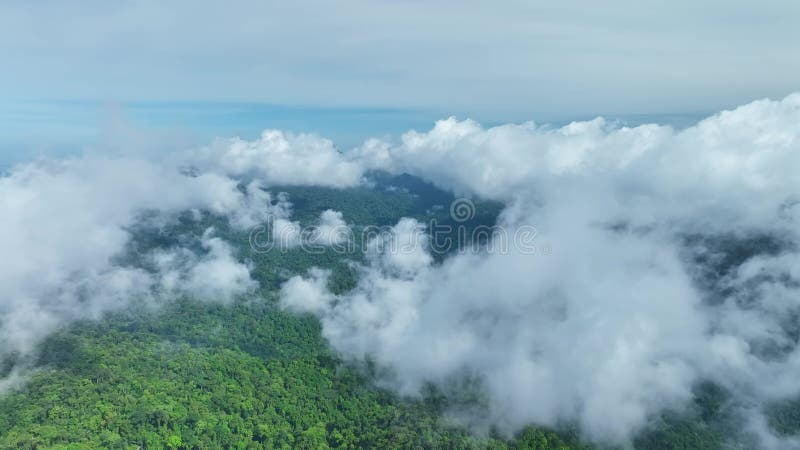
355 69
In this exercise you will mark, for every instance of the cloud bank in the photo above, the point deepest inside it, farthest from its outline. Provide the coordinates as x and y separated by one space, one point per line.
64 223
641 296
673 258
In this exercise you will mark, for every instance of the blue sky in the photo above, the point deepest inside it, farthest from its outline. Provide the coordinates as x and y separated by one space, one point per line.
349 70
33 128
29 129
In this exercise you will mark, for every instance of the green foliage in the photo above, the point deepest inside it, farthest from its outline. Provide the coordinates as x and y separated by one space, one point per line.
198 376
784 416
533 438
251 376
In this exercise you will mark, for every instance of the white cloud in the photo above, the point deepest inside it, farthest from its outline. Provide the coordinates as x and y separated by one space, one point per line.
610 327
282 158
331 229
606 330
216 276
603 321
65 220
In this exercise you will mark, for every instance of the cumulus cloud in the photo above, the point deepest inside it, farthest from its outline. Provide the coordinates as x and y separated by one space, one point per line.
331 229
63 223
603 321
282 158
216 275
740 163
277 231
642 295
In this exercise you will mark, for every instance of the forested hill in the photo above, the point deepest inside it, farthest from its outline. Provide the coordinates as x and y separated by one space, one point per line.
248 375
